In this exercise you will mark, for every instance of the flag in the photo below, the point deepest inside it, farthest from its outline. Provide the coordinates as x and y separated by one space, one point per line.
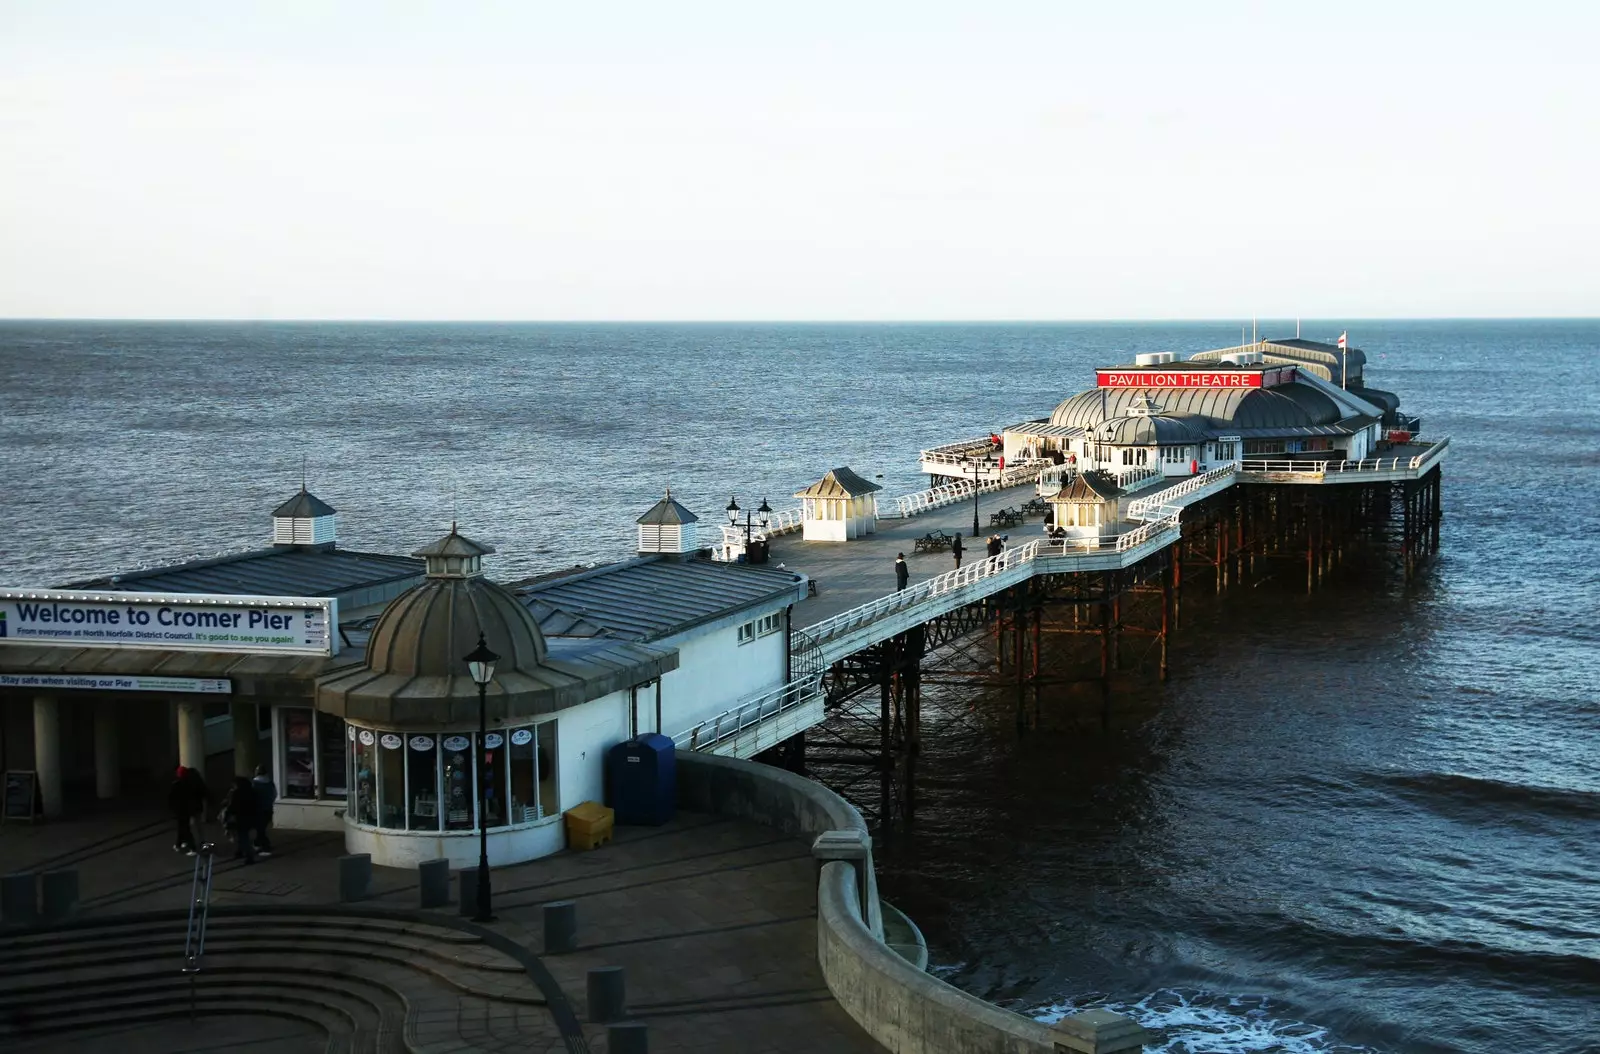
1343 337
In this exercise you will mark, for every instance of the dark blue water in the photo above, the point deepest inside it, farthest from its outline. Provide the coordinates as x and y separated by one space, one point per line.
1363 821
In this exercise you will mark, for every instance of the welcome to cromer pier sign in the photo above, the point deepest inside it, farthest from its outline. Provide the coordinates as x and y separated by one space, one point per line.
170 622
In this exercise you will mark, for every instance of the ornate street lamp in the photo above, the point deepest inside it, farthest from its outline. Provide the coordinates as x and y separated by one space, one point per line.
481 665
979 465
765 512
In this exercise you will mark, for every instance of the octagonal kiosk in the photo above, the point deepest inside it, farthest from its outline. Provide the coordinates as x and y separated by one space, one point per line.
838 507
422 775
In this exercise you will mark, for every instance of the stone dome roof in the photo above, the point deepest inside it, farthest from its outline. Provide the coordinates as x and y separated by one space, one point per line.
425 631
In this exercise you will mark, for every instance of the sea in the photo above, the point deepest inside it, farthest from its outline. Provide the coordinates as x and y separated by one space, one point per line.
1361 820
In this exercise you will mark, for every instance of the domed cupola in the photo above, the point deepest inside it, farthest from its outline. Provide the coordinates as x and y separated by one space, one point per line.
415 673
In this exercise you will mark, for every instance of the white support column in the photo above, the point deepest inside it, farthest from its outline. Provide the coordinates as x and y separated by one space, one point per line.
107 764
191 735
246 736
47 752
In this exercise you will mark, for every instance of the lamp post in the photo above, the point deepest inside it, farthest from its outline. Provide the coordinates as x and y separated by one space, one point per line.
733 519
978 465
481 665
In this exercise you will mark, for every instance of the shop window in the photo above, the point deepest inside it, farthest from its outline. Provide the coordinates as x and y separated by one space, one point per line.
545 759
456 783
494 779
299 753
422 781
331 737
391 758
363 755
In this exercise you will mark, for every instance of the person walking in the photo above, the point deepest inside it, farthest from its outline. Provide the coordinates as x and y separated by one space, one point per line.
956 551
239 817
266 798
902 573
995 545
180 803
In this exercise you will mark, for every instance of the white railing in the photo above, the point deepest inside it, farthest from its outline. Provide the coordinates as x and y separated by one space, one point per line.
873 610
731 722
1161 502
781 521
1371 464
1052 478
960 490
955 453
1127 477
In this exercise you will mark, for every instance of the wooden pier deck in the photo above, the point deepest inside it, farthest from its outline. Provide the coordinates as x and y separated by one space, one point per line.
849 574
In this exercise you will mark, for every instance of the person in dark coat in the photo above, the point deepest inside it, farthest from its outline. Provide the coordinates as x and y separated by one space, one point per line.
266 798
956 551
187 800
240 813
995 545
902 573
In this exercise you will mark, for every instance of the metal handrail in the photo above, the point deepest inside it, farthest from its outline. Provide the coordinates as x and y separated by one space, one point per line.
194 941
953 453
1371 464
1145 508
734 720
959 490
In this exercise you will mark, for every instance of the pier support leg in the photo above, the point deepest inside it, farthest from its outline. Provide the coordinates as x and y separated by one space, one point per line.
1166 610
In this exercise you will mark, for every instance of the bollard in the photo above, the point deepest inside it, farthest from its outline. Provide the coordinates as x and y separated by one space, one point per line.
560 927
60 894
355 876
608 1000
433 883
1100 1032
19 898
627 1037
469 891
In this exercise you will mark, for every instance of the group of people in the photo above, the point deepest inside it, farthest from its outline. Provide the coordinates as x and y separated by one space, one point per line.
246 812
902 571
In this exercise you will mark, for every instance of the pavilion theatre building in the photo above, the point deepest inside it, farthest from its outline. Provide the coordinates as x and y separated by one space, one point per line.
1161 417
345 672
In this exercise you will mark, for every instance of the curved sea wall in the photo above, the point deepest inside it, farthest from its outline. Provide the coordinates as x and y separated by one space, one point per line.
901 1007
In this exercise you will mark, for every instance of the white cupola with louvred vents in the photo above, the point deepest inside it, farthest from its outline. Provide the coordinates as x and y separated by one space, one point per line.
668 528
304 519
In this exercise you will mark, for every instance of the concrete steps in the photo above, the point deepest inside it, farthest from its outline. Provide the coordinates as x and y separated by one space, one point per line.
367 985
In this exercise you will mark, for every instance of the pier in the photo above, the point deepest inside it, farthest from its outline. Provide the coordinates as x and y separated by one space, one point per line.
861 650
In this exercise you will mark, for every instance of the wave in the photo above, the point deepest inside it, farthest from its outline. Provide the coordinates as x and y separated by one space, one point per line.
1456 789
1207 1023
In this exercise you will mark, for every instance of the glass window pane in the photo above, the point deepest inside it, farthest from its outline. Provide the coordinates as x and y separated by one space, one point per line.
299 768
524 784
331 739
457 783
391 780
364 803
423 782
494 779
545 758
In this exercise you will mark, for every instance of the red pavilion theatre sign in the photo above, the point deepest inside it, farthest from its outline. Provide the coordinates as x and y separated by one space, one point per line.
1148 378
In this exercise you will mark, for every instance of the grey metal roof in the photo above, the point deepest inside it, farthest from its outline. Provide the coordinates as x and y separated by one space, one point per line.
1168 429
838 483
1089 486
1044 428
1227 409
649 597
303 505
279 571
454 544
667 512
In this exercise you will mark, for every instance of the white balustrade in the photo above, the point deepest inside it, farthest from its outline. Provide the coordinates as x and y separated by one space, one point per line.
746 715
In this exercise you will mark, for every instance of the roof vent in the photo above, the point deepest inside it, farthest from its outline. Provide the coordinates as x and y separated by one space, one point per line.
1167 356
304 519
1151 358
668 528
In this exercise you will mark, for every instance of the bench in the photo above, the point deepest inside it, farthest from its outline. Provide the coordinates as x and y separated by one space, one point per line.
1036 507
935 541
1005 518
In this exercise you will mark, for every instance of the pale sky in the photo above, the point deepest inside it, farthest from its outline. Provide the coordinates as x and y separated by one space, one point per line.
817 160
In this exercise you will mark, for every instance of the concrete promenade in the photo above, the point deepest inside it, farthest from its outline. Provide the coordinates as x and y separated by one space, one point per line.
850 574
713 919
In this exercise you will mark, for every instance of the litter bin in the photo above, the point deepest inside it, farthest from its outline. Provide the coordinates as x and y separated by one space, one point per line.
756 551
644 785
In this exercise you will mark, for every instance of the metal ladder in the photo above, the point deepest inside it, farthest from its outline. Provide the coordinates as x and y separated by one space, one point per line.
194 941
